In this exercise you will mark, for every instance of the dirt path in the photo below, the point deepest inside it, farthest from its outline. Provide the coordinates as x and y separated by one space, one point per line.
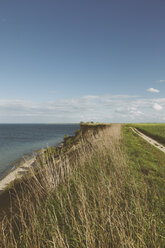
150 140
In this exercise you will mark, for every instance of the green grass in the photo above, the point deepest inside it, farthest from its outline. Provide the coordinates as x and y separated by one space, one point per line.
94 124
148 168
110 195
155 131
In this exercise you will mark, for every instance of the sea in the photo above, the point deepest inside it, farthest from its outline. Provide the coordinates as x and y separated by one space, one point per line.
21 141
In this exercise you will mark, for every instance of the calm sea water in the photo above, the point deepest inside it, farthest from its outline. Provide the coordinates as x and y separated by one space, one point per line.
18 140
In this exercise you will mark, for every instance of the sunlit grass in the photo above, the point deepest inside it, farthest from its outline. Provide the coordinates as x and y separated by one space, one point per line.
155 131
105 192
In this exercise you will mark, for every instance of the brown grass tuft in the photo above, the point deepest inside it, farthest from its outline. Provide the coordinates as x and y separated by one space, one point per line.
86 198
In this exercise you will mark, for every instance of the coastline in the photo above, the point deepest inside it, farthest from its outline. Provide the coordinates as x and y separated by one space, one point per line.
21 168
15 164
17 172
11 161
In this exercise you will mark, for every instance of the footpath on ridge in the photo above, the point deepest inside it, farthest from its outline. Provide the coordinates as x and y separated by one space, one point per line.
149 140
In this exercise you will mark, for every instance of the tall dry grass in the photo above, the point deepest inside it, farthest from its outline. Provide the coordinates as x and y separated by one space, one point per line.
88 198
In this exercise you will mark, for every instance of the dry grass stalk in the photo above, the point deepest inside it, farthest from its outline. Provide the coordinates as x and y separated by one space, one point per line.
90 202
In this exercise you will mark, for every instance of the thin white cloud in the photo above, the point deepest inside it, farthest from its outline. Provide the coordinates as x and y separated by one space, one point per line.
90 97
153 90
160 100
161 81
123 96
103 108
157 106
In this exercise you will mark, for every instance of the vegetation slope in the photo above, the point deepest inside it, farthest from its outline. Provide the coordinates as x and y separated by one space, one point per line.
103 188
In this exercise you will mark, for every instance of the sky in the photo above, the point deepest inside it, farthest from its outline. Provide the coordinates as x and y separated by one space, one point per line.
82 60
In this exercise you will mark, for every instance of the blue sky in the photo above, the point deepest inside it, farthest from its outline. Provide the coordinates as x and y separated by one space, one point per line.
71 61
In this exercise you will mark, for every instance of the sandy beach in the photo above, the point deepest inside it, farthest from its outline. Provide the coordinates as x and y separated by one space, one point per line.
17 173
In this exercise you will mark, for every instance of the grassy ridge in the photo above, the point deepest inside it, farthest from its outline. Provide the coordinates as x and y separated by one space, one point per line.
148 168
155 131
105 192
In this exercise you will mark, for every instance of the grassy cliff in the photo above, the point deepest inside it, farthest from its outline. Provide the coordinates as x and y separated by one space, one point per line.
101 189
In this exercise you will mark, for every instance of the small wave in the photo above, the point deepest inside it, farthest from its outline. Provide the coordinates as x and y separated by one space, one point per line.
13 168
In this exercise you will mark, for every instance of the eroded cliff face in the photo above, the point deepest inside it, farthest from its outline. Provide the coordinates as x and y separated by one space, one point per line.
68 150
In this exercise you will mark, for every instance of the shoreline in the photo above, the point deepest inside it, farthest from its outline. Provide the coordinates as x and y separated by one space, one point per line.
17 172
11 162
20 167
15 164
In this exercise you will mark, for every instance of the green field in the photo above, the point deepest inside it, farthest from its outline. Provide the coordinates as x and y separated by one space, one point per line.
147 166
155 131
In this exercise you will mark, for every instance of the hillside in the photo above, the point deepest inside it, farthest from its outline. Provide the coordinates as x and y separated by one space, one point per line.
102 188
